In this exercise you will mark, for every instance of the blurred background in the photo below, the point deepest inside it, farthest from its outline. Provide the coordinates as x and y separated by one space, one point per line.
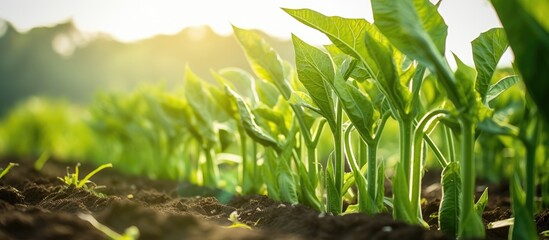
69 49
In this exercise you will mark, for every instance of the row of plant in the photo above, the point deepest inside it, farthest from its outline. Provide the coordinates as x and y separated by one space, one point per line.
264 133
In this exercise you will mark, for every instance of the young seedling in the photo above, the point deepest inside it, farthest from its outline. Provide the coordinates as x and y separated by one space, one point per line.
131 233
233 217
8 168
72 178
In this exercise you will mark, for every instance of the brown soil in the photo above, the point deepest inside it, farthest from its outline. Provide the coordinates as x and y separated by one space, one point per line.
36 205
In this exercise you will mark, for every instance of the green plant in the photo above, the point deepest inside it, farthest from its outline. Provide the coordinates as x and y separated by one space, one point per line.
131 233
72 179
5 171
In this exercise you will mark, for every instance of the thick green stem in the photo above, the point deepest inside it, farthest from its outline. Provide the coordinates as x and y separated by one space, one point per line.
423 126
530 176
406 133
246 182
312 165
467 167
372 170
471 225
335 200
209 170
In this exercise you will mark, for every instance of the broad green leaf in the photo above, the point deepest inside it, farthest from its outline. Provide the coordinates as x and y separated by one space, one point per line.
388 76
359 108
315 71
499 87
197 97
353 42
201 104
481 203
250 126
465 76
417 30
264 60
492 126
410 24
350 41
347 62
239 80
487 51
524 226
271 115
288 189
267 92
448 213
528 36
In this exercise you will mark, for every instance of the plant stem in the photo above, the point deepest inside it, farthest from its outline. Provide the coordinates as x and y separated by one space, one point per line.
312 165
406 133
467 167
372 170
471 225
245 175
530 176
209 171
339 164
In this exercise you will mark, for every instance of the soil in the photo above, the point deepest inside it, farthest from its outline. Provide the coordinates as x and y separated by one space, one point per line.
37 205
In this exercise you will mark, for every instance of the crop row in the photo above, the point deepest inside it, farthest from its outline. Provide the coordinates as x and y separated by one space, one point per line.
262 133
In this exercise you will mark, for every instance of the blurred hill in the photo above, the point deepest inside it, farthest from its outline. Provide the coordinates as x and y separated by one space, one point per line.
62 62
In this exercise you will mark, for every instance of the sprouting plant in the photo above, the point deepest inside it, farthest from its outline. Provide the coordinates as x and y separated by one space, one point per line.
7 169
233 217
131 233
39 163
72 179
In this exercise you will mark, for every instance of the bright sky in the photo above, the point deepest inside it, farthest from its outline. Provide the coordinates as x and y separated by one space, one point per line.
129 20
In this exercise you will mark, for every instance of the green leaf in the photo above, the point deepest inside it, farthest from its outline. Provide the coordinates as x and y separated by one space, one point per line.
267 92
201 104
487 51
250 126
315 71
465 76
524 226
526 27
288 190
387 74
417 22
497 88
365 43
448 213
350 41
359 108
199 99
264 60
490 125
417 29
481 203
239 80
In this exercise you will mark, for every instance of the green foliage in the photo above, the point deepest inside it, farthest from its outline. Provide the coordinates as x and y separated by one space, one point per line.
528 34
263 133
